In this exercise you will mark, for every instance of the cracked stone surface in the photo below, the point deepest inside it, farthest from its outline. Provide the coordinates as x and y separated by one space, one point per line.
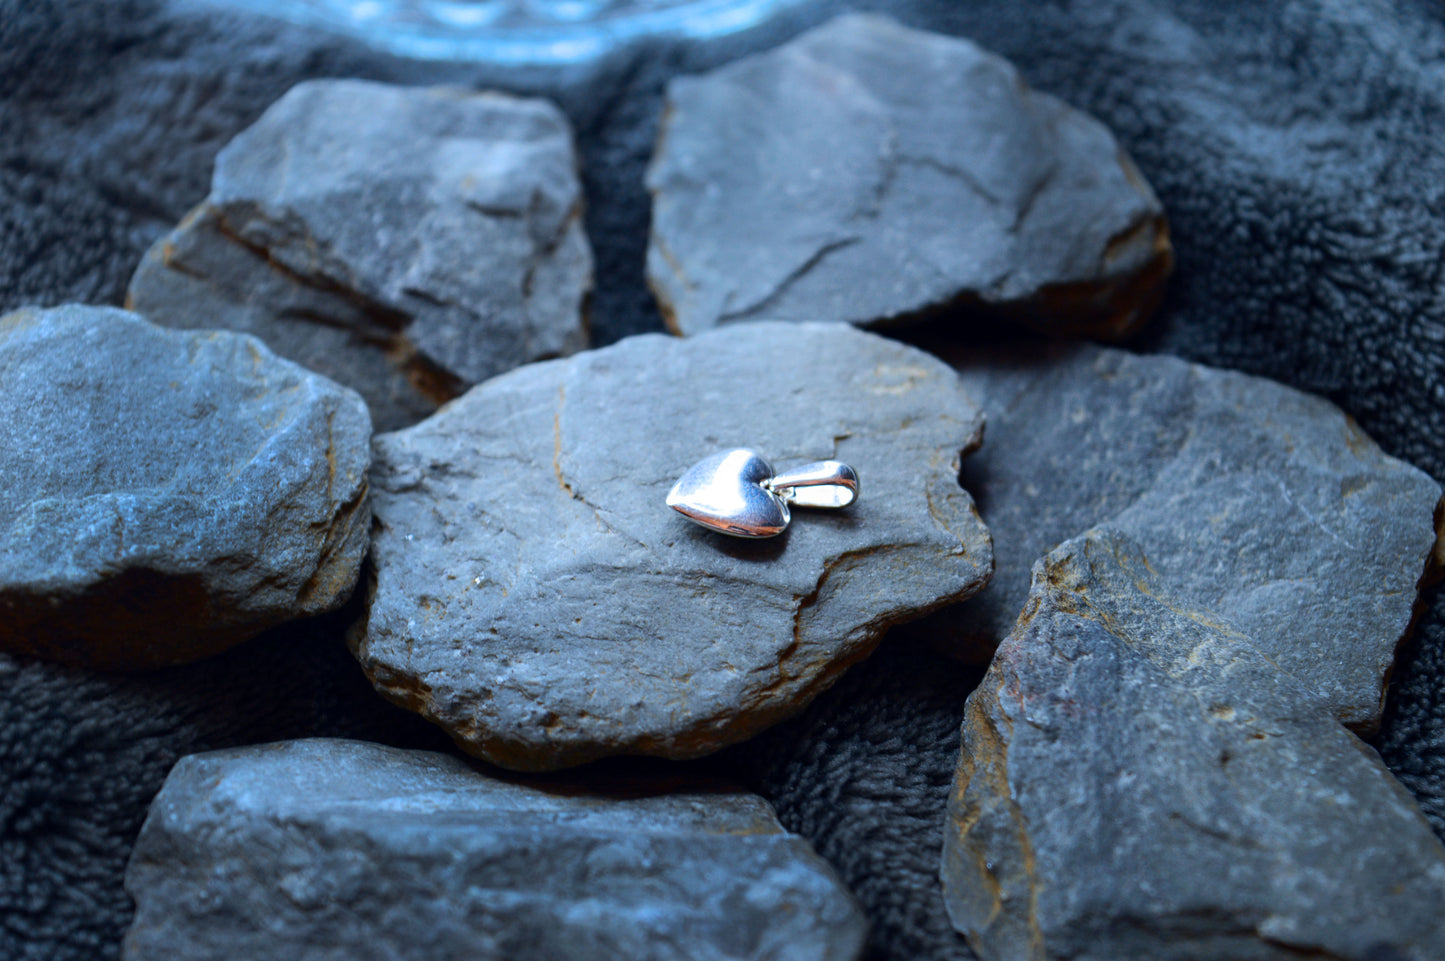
1139 780
166 494
1253 500
332 849
406 242
534 596
870 173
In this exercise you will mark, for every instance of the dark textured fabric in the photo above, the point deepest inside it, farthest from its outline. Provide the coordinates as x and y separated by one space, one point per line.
1295 146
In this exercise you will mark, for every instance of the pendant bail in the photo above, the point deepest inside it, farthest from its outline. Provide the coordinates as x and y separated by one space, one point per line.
824 483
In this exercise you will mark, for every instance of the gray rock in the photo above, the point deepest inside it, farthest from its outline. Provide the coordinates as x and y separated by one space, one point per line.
331 849
870 173
407 242
1140 781
166 494
1265 505
534 595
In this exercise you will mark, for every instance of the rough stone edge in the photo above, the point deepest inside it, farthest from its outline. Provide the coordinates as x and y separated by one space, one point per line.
1119 315
414 698
186 589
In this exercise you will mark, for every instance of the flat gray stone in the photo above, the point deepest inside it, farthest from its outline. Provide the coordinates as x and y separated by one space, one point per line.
331 850
534 595
1138 781
870 173
166 494
1265 505
406 242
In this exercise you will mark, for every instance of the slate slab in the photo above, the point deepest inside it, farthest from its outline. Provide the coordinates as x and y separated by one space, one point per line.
166 494
1138 780
332 849
1263 504
407 242
534 595
870 173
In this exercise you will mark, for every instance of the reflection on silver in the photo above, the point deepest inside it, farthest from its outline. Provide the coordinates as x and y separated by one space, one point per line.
736 492
517 31
824 483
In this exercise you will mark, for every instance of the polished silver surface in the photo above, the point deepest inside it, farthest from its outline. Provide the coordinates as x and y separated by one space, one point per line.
725 493
824 483
735 492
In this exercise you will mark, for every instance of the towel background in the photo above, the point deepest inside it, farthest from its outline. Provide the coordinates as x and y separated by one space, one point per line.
1296 147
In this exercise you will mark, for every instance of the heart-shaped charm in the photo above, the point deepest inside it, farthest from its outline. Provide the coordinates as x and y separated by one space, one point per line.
736 492
726 492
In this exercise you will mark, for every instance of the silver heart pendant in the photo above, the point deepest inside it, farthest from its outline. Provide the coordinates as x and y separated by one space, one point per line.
736 492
